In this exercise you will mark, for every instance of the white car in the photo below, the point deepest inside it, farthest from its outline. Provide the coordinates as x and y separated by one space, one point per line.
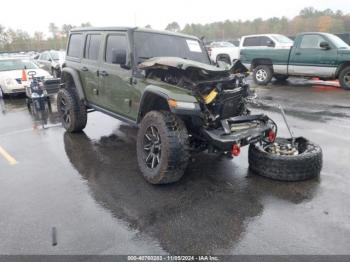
223 51
276 41
11 70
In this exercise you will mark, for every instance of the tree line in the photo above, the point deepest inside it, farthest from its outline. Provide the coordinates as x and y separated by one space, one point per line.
309 19
19 40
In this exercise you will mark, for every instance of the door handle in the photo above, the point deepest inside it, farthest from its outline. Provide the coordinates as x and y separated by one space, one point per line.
103 73
297 53
84 69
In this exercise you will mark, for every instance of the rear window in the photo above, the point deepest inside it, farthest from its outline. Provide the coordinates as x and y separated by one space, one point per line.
251 41
92 46
75 43
256 41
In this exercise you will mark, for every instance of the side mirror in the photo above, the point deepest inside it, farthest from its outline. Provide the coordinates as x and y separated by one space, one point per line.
270 43
119 57
50 60
325 45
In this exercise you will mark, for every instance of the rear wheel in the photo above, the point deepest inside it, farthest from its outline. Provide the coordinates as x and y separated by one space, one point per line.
162 147
262 74
71 110
344 78
280 161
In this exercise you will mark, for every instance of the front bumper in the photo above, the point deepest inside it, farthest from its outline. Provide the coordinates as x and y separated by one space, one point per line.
224 138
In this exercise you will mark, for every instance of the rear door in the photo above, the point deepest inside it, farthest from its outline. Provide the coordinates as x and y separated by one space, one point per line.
309 59
116 89
90 65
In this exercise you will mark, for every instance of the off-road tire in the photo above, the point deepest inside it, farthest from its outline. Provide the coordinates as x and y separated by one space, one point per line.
264 69
281 78
345 73
304 166
77 110
174 147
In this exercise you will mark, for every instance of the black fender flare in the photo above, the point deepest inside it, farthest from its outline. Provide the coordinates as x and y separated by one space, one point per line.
153 91
75 76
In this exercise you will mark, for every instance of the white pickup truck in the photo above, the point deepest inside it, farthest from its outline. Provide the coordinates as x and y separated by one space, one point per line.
223 51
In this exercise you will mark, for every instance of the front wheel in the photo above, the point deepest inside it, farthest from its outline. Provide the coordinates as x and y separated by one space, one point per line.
344 78
262 74
162 147
72 111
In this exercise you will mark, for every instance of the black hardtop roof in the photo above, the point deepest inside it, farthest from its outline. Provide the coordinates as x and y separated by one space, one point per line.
86 29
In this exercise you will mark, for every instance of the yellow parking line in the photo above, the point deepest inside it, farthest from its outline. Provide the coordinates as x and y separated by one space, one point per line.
7 156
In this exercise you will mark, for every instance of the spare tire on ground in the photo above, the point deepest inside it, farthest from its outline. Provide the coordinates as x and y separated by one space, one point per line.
272 162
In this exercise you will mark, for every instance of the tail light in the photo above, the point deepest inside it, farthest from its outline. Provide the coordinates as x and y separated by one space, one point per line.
236 150
271 136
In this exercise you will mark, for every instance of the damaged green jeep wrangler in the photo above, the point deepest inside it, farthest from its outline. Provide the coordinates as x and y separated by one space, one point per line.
165 84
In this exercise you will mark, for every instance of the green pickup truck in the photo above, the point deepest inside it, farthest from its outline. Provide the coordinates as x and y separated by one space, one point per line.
320 55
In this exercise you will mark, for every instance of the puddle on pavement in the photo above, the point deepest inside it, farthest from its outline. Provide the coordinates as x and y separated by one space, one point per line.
209 208
41 117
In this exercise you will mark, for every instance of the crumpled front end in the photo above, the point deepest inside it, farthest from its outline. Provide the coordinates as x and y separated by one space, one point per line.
221 94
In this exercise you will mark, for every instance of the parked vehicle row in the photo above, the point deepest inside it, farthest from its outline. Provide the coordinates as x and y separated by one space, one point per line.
320 55
227 52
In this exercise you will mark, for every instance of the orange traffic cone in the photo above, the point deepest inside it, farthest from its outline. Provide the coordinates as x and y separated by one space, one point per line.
24 75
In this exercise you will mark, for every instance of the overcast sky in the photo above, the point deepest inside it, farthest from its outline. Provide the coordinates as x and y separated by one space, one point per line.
35 15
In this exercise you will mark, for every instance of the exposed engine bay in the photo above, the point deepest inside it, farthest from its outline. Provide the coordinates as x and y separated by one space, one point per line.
221 93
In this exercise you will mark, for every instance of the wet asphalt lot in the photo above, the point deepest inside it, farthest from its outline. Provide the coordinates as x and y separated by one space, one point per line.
88 186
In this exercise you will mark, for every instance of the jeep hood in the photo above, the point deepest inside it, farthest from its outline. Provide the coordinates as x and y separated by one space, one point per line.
180 63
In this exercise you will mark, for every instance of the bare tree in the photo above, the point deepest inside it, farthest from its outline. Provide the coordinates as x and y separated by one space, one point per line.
174 27
53 29
66 29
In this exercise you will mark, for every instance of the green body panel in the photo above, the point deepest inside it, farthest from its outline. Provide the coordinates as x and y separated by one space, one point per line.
169 91
89 79
277 56
343 55
301 61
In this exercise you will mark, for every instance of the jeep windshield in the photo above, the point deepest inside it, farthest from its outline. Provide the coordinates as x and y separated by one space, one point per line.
149 45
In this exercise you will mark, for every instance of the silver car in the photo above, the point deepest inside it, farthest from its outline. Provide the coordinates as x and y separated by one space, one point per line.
52 61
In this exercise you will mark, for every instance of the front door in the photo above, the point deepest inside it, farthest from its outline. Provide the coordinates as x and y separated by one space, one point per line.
309 59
